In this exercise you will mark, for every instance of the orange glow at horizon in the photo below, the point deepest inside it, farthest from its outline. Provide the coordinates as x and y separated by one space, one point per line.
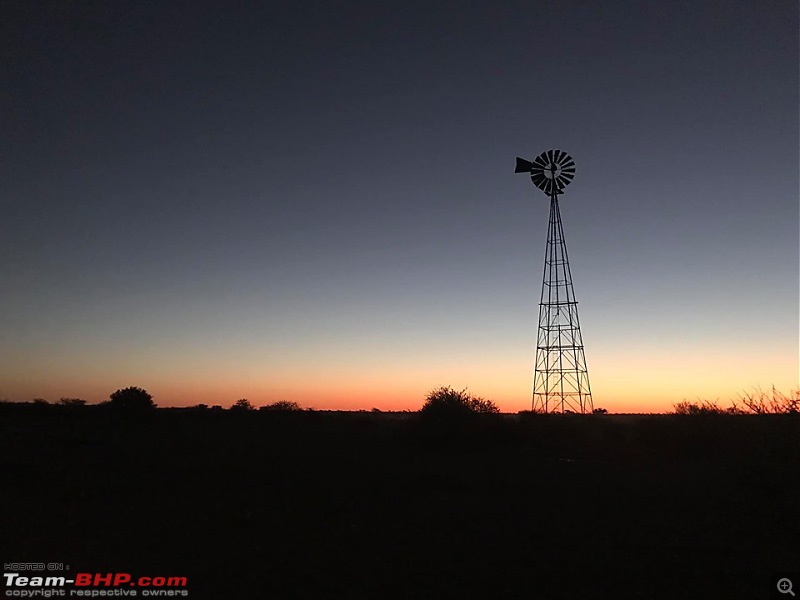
394 378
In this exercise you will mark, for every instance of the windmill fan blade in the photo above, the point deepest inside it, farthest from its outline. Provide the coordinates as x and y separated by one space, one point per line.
523 166
551 171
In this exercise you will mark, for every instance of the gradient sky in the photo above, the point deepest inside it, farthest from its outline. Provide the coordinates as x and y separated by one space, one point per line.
315 201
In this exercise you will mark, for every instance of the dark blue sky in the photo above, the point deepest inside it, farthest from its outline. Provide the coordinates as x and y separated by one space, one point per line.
315 201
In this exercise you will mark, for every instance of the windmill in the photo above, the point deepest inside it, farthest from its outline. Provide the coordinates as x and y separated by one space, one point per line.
561 379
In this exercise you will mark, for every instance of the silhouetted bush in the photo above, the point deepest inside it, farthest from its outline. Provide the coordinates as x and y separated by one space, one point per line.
72 402
695 408
760 403
132 398
282 406
757 402
703 407
243 404
600 411
447 402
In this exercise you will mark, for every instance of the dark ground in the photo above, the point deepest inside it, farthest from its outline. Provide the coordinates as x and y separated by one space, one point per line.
352 505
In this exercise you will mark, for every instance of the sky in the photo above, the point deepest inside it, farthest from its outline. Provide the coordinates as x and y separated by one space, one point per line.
316 201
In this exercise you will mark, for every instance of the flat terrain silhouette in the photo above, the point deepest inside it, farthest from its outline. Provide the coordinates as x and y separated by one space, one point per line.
270 504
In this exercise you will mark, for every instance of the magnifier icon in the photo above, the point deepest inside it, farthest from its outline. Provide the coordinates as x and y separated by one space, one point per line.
785 586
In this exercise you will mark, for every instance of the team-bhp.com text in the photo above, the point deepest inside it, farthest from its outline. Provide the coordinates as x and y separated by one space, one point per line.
24 586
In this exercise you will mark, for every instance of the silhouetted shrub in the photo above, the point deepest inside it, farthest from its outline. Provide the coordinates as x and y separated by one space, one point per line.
72 402
447 402
760 403
600 411
282 406
242 405
703 407
132 398
757 402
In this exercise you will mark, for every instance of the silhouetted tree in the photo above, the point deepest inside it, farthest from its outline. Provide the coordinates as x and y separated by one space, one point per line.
600 411
282 406
132 398
242 404
445 401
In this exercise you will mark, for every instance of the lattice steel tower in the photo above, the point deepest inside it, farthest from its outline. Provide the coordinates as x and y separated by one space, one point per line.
561 379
